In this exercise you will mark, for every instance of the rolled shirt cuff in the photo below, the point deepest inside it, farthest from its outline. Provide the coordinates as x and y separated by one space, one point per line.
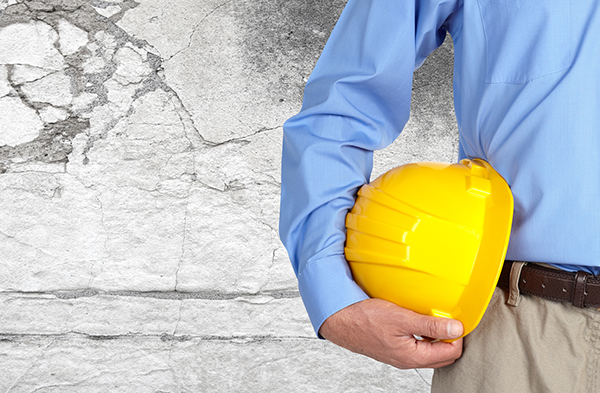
326 286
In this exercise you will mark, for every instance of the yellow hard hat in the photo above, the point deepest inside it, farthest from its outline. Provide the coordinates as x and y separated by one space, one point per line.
432 237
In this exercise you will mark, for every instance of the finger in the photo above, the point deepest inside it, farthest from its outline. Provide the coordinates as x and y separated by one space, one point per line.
435 327
428 355
439 365
434 354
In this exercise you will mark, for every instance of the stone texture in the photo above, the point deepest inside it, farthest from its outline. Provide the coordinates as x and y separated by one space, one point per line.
131 67
56 237
151 364
151 210
30 43
153 22
156 314
18 122
23 73
52 114
4 86
71 37
245 200
108 11
53 89
239 55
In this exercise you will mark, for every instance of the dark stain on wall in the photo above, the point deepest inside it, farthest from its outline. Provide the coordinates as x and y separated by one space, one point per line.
284 39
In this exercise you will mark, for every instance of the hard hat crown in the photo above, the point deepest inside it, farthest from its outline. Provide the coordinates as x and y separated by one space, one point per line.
432 237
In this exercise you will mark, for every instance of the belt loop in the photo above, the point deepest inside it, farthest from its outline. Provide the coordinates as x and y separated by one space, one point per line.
579 292
514 295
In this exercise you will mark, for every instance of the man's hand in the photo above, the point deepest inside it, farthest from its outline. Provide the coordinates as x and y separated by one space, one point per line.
384 332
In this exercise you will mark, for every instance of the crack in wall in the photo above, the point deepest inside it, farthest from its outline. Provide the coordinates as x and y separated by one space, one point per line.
34 363
423 378
196 26
173 338
107 233
269 269
171 368
167 295
124 6
186 119
164 337
184 235
244 138
28 245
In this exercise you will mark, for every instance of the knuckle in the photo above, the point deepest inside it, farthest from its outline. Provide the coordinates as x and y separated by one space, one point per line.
432 326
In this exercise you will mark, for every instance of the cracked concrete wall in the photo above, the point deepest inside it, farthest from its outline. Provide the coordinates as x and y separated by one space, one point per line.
139 178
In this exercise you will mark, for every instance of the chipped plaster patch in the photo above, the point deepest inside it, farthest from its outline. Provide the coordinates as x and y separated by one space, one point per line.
131 68
22 73
54 89
71 37
108 11
93 65
18 122
103 67
4 85
107 42
51 114
100 119
30 43
83 101
120 97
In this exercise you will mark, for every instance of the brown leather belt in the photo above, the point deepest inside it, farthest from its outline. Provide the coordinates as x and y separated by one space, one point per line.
581 289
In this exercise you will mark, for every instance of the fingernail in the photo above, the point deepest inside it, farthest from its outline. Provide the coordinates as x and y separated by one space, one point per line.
454 329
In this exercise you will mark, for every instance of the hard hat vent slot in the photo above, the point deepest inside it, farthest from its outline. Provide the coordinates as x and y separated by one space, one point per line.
478 186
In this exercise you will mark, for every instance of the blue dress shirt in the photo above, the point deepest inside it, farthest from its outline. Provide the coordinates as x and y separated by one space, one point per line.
527 100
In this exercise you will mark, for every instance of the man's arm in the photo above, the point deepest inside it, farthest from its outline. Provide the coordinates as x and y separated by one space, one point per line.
386 332
357 100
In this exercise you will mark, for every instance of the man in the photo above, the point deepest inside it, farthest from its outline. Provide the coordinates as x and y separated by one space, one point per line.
526 82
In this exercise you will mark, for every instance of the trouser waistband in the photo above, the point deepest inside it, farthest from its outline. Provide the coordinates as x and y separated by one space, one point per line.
581 289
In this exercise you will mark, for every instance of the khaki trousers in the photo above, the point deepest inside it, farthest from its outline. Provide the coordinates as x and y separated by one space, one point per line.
538 346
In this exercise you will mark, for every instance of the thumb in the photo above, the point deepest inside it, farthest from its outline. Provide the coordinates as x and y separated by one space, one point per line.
437 327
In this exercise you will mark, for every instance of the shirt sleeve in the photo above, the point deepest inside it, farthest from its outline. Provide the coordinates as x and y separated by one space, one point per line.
357 100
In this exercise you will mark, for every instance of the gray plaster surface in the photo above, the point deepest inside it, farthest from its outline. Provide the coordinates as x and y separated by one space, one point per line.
140 147
76 364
